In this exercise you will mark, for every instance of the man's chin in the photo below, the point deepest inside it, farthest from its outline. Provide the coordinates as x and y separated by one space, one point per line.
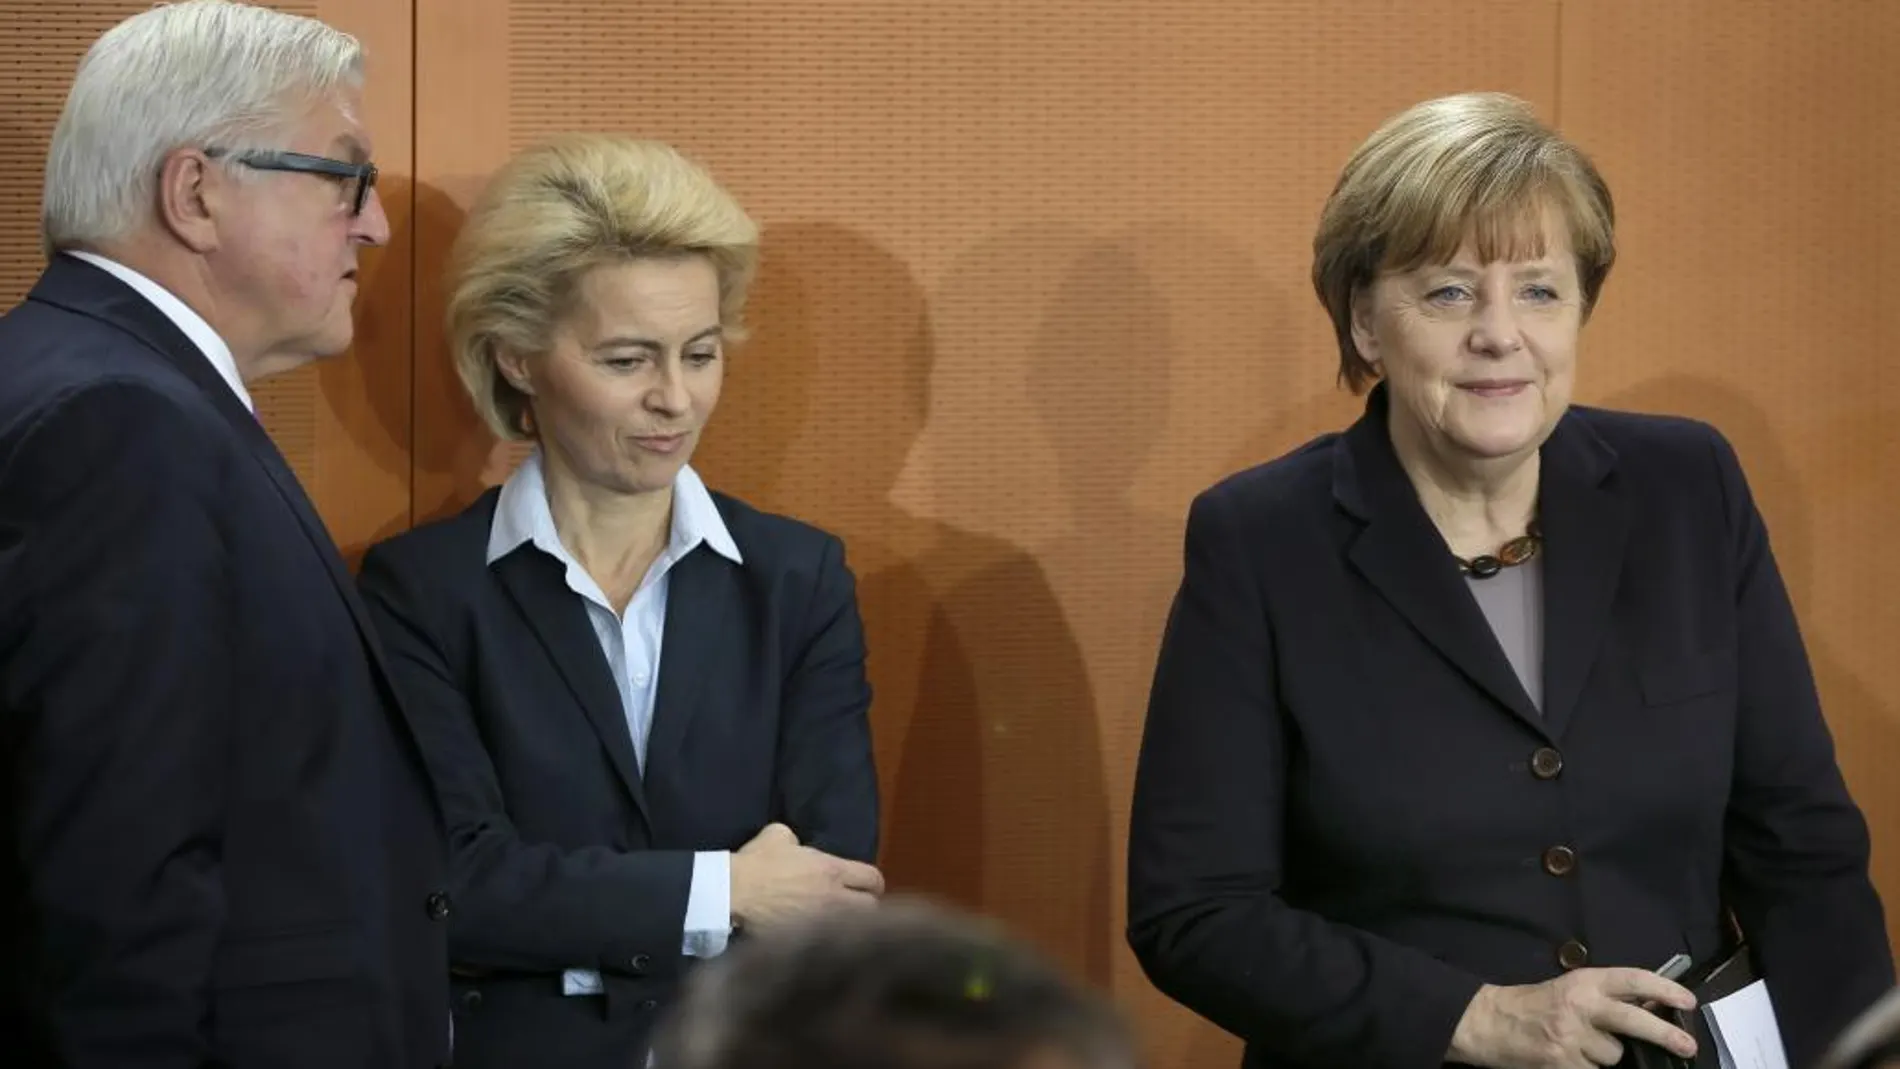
290 358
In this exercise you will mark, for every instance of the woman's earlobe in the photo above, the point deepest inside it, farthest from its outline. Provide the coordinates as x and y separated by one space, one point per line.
1365 342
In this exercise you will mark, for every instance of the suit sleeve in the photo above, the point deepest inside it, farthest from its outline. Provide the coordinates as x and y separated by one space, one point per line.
827 779
116 667
1206 850
1796 846
517 904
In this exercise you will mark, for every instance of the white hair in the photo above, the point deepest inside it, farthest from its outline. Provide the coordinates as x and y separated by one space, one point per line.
198 73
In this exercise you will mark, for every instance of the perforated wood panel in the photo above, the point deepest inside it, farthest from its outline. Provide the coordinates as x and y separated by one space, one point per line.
343 424
1033 275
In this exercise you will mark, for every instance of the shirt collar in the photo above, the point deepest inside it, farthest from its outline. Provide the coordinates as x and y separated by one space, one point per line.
522 515
191 323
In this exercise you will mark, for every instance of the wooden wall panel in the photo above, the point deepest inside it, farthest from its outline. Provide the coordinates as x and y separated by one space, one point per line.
1753 150
1033 275
343 424
1036 273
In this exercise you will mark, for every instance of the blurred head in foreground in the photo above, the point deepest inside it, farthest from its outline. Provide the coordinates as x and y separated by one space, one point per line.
907 986
1872 1041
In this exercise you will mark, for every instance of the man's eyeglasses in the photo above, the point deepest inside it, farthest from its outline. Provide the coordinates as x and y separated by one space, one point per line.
361 177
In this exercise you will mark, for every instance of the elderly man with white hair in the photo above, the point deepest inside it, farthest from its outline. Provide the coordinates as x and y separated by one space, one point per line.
221 844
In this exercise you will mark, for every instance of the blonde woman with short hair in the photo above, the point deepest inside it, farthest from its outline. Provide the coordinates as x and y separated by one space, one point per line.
643 702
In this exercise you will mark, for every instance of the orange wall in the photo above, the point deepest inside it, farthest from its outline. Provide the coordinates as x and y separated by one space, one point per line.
1036 273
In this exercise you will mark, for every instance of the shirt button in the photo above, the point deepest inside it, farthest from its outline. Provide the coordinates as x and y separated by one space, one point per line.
437 906
1560 861
650 1005
1546 763
639 679
640 962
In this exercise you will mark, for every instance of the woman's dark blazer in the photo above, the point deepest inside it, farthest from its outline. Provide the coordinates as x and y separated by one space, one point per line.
564 855
1348 814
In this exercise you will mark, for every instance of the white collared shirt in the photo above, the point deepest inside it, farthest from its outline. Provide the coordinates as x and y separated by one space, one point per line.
631 643
191 323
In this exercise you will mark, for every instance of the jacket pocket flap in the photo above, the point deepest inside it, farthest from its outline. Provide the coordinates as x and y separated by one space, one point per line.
1689 677
287 957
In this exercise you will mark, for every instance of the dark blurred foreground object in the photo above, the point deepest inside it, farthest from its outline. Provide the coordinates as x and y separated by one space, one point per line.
1872 1041
907 986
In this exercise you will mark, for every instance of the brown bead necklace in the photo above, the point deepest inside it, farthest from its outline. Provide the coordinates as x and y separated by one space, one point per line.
1510 554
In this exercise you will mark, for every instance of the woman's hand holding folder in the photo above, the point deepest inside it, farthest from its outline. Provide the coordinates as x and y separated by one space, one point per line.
1576 1021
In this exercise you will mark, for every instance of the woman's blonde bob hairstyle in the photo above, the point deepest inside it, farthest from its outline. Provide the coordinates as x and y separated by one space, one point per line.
554 213
1476 167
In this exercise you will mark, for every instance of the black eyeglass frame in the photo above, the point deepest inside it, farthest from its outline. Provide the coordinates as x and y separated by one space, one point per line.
363 174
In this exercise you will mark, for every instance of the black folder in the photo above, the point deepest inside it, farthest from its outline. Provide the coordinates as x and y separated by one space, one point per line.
1709 983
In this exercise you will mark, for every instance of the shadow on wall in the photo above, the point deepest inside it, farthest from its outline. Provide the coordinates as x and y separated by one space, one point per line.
375 376
456 458
1168 362
1866 732
983 716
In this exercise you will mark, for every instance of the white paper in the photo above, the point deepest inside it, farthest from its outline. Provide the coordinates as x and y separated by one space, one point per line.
1746 1035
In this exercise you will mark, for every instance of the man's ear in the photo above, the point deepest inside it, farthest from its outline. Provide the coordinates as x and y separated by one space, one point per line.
191 193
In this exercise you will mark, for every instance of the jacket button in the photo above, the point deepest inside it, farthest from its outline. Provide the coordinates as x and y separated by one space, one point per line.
1546 763
640 963
649 1005
1560 861
471 1000
437 905
1573 955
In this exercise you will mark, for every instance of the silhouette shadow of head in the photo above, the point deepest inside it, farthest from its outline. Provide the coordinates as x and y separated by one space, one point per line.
822 403
1041 809
821 419
1099 380
1301 398
454 457
821 407
370 386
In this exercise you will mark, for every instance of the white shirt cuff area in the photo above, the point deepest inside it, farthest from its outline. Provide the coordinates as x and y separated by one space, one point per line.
709 905
708 919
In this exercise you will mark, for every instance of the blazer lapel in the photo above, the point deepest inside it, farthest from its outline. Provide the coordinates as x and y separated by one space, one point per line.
80 287
558 618
1586 527
1405 559
700 589
266 453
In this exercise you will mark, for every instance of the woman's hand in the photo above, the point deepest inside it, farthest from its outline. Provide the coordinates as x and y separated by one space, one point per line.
1572 1022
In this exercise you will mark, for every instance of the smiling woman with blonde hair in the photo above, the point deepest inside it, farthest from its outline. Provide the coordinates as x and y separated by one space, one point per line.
1470 717
643 702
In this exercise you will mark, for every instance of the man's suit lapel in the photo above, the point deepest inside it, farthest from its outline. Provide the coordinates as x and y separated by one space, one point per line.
86 290
1402 555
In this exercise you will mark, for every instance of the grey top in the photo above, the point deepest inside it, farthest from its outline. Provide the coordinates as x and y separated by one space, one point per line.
1513 604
